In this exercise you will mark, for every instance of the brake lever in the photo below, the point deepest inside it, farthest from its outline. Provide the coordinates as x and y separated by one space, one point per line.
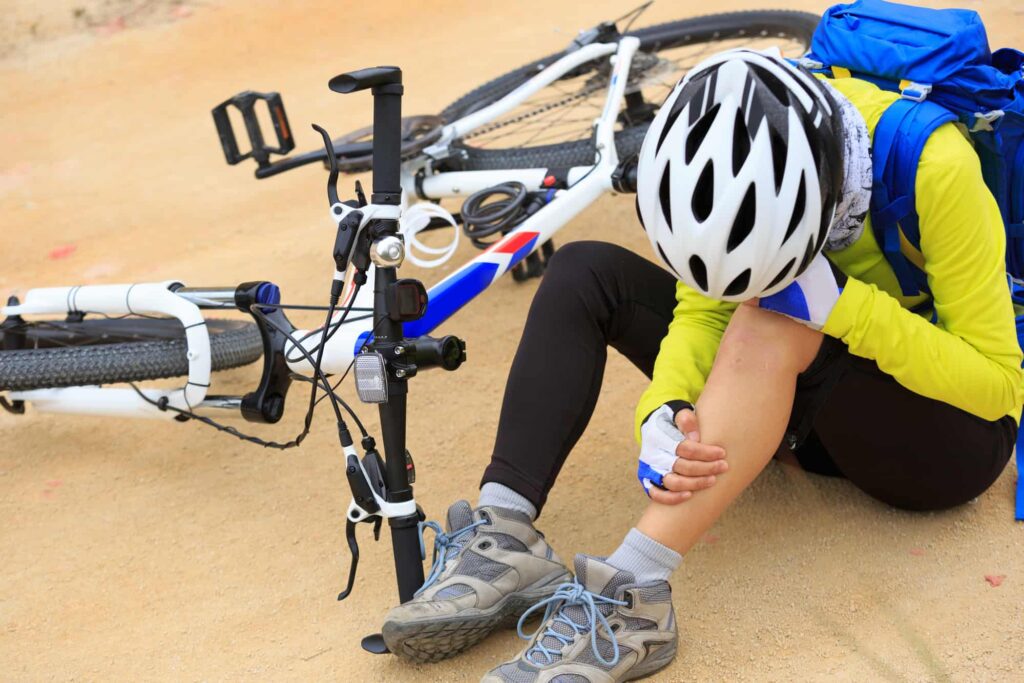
332 164
353 548
346 214
362 481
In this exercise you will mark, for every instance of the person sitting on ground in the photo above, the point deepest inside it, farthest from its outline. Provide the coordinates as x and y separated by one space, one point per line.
779 323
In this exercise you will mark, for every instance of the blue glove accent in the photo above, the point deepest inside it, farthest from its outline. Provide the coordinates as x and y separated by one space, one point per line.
659 438
649 477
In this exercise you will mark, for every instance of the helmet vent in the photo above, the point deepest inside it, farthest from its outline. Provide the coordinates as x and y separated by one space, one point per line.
772 82
779 153
782 274
670 121
825 227
704 193
639 216
798 208
699 272
665 196
739 285
808 255
744 222
699 132
813 139
740 143
665 258
810 85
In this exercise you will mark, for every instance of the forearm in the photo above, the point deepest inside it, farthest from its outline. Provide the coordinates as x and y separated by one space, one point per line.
687 353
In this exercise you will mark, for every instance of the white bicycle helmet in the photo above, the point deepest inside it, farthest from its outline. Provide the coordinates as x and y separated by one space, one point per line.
740 173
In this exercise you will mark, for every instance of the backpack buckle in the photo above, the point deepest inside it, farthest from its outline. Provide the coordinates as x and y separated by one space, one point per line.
915 92
984 122
810 64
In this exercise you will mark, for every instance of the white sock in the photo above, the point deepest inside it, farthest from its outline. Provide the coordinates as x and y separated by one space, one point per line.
501 496
645 558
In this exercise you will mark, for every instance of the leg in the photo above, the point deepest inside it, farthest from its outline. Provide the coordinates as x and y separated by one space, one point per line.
592 296
918 454
754 374
491 563
745 408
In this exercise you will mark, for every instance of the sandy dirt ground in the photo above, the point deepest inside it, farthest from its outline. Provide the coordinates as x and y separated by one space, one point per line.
137 550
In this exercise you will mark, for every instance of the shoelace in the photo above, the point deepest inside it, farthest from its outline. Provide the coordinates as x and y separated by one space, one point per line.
568 594
444 544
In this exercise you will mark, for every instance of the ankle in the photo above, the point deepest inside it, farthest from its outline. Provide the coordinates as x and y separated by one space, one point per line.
493 494
645 558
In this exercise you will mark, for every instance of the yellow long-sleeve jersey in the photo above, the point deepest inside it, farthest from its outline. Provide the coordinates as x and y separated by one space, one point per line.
969 358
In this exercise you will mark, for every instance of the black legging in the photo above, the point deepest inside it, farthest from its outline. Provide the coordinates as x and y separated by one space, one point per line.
902 448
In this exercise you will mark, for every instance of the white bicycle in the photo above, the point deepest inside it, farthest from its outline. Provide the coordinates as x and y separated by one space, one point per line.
529 150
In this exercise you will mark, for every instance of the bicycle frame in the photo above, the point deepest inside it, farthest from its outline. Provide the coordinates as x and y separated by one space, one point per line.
586 185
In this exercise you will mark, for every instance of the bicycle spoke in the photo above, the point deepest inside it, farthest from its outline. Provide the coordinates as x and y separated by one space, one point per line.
560 118
542 126
560 112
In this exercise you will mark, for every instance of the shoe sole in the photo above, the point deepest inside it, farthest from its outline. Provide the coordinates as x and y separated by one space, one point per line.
437 639
653 665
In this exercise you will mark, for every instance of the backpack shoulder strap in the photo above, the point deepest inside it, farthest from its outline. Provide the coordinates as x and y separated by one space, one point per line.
1017 295
899 139
1019 509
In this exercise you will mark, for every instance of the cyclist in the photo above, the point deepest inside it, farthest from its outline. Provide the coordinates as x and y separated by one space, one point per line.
781 328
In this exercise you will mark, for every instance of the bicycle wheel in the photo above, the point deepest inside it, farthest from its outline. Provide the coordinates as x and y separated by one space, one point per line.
553 129
62 353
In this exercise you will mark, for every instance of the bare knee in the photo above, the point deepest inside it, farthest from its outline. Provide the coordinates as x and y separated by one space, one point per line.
765 338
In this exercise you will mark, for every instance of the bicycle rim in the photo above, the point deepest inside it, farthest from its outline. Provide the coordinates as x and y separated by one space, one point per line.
554 127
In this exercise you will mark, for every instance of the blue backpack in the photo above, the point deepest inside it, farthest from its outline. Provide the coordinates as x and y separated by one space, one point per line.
939 60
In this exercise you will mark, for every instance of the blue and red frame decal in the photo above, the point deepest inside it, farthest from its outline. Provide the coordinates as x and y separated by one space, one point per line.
462 286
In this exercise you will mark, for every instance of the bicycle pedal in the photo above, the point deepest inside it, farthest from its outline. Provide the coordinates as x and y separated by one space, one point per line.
535 264
246 104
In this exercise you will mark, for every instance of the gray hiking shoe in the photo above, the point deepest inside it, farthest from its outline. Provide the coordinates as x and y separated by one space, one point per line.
489 567
602 628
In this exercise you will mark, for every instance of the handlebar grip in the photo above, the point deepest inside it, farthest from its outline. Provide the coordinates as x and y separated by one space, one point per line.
373 77
385 82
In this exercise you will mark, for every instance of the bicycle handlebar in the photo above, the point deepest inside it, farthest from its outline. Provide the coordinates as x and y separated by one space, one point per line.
375 77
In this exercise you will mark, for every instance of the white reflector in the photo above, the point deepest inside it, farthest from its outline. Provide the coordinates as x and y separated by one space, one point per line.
371 378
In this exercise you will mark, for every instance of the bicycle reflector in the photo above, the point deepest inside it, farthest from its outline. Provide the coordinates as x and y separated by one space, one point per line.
371 378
